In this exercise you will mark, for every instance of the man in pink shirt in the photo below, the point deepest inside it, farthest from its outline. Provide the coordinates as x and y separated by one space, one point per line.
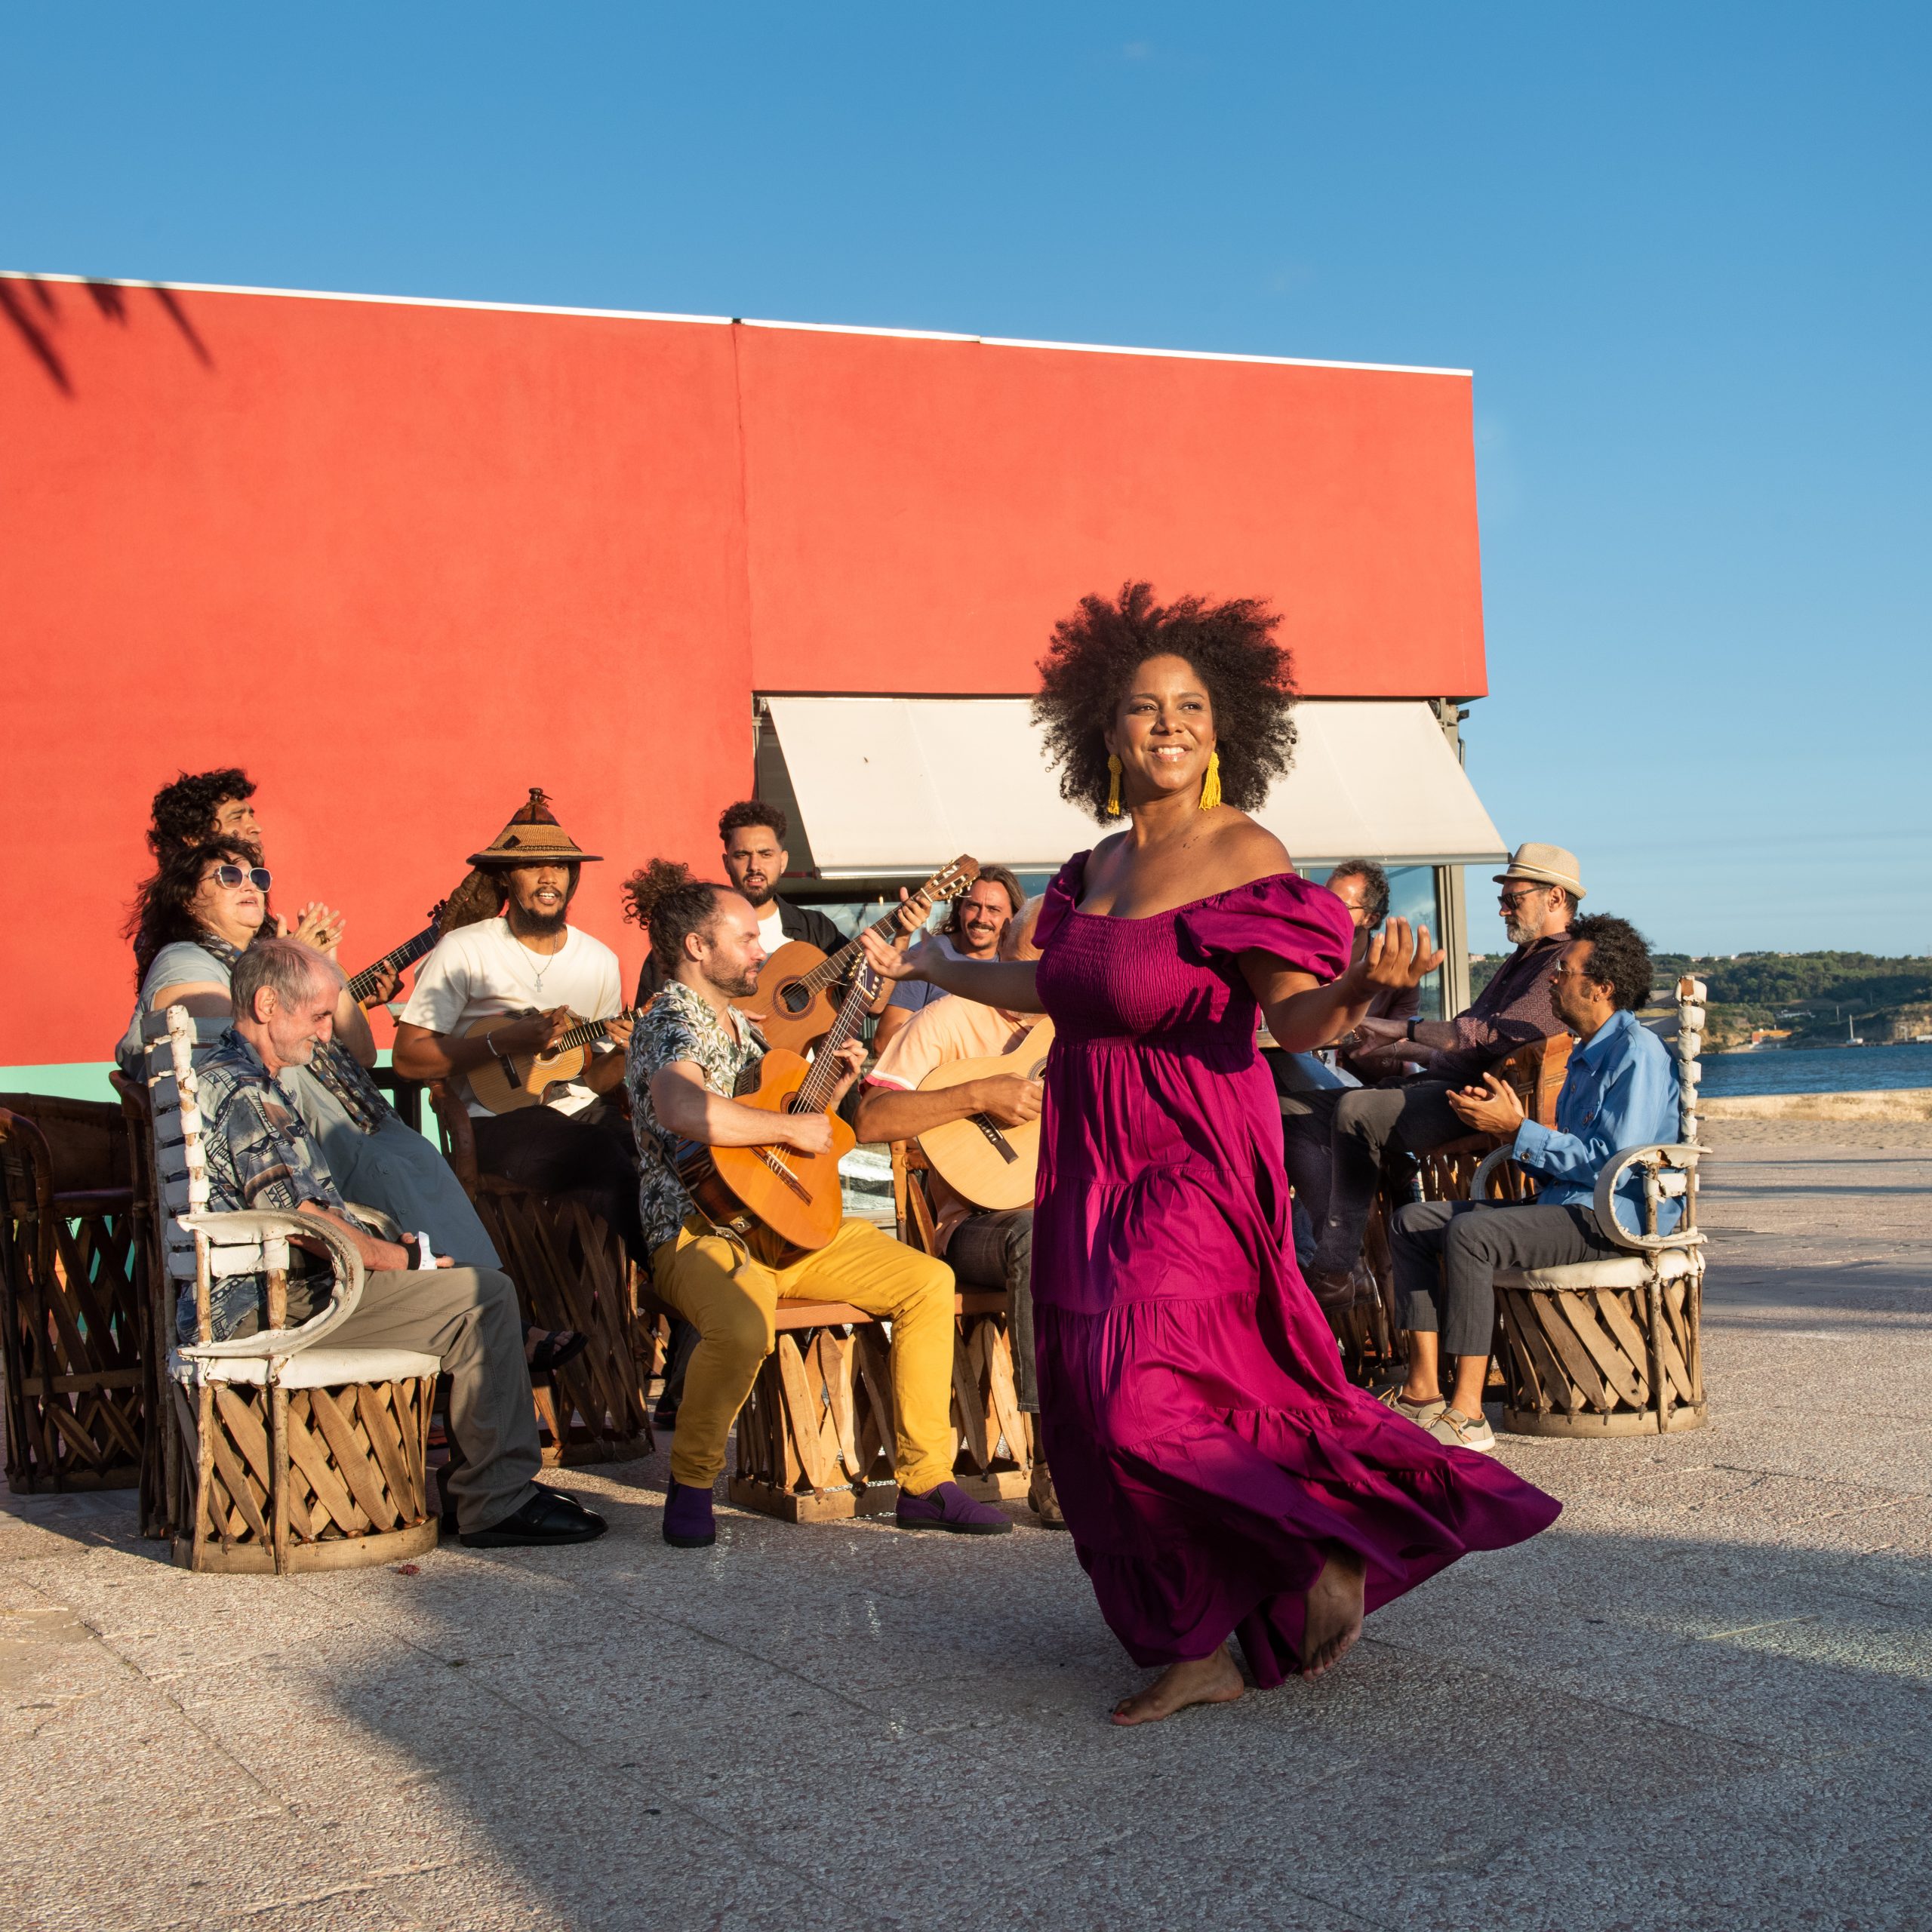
987 1248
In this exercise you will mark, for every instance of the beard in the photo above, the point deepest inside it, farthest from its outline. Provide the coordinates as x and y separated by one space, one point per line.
528 924
758 897
740 987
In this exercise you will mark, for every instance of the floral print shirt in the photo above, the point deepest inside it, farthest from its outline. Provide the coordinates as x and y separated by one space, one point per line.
680 1024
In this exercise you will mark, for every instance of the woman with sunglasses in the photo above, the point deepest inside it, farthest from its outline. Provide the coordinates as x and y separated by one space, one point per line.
193 921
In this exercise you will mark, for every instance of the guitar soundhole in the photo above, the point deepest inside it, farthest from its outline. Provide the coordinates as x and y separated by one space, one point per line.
793 997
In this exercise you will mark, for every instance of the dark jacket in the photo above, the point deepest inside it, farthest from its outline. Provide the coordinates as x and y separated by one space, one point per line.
1516 1007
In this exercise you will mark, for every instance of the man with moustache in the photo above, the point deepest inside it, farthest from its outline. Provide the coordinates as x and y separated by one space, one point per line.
537 976
974 926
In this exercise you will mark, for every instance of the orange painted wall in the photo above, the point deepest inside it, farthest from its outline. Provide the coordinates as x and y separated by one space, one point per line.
403 562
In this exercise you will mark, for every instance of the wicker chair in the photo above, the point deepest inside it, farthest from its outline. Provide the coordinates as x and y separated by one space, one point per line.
1613 1347
291 1456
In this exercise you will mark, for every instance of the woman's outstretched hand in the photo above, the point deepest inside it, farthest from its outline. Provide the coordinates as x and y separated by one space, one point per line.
891 964
1398 957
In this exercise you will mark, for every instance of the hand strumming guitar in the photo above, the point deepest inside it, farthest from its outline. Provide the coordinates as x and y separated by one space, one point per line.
1008 1100
811 1133
530 1033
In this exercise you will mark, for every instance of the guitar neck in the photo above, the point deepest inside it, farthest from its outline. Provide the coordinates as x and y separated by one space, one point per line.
362 984
815 1094
834 967
583 1033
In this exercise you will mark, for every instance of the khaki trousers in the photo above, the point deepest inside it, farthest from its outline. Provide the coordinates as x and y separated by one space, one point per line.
469 1317
731 1301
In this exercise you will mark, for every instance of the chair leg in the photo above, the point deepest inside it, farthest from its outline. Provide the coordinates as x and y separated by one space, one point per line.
279 1476
204 1473
1660 1373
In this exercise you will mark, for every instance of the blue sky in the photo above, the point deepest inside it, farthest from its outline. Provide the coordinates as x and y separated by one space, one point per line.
1684 249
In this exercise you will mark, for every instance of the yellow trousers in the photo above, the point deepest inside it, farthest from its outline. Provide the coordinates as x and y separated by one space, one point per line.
731 1301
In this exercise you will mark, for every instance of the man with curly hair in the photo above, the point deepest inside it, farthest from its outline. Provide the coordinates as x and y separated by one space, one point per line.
1621 1091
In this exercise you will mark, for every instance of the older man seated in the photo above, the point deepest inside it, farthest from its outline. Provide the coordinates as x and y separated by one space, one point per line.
262 1155
1620 1091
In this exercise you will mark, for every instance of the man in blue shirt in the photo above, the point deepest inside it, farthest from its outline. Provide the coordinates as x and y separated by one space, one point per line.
1620 1091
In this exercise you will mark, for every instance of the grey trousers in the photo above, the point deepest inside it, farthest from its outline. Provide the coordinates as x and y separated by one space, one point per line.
395 1169
995 1251
1364 1125
468 1317
1447 1254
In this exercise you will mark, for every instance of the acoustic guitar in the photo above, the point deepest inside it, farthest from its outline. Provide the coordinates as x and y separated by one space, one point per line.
793 1003
362 985
505 1082
780 1203
990 1165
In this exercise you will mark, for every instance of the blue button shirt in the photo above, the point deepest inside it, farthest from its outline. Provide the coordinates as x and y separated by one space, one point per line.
1620 1091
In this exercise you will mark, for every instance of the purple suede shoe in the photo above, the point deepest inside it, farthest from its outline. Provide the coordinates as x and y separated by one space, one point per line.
948 1507
688 1523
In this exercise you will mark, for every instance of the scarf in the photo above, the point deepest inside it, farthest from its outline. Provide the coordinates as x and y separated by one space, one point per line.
338 1069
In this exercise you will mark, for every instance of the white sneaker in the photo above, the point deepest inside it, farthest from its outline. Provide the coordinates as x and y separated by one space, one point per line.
1457 1431
1422 1413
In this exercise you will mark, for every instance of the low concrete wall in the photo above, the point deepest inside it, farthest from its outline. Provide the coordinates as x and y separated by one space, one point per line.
1898 1103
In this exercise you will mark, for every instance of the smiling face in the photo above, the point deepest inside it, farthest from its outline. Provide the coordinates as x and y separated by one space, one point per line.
234 818
727 959
232 913
983 914
1162 732
294 1029
540 899
754 862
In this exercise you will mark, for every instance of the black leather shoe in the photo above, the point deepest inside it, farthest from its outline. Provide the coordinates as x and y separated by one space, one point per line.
549 1517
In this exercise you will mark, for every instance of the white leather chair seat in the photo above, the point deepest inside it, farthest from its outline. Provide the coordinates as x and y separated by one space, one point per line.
1616 1271
318 1367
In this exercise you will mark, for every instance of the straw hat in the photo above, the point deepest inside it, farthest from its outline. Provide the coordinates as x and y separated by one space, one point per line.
1544 865
533 838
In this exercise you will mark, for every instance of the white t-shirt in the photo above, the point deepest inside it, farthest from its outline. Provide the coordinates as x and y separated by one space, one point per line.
771 930
482 969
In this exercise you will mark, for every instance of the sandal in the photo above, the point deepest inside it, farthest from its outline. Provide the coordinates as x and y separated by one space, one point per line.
552 1347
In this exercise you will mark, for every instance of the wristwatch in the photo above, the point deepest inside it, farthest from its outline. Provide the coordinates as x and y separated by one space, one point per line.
1410 1033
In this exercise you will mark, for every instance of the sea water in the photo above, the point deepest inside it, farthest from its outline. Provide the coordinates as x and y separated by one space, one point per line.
1826 1070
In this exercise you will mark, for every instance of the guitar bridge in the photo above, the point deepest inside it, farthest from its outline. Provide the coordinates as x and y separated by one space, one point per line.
1000 1145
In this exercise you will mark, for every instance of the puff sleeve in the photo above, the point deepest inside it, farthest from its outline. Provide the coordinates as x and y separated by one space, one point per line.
1304 926
1062 896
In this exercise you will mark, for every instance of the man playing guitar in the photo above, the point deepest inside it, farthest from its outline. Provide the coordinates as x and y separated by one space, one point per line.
689 1055
510 986
987 1248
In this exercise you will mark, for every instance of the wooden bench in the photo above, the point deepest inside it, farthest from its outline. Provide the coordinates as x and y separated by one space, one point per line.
71 1297
571 1272
815 1440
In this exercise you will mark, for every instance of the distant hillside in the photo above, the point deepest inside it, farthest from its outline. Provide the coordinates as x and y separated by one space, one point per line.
1811 994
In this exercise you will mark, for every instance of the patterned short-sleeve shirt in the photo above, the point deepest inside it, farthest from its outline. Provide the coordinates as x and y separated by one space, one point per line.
261 1155
680 1025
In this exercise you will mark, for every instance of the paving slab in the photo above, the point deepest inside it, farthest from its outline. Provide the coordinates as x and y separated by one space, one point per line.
1703 1699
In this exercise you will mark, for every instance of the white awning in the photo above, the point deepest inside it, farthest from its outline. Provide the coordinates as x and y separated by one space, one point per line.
897 786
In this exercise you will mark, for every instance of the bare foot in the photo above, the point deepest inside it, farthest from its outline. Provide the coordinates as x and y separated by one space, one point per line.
1332 1620
1209 1679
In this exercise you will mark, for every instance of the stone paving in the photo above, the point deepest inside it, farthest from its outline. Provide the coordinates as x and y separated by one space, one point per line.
1701 1700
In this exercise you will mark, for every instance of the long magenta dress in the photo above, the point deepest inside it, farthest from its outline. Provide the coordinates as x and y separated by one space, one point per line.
1202 1436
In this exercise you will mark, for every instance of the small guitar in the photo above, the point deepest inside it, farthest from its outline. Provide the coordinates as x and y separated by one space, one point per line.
991 1165
506 1081
362 985
793 1003
780 1203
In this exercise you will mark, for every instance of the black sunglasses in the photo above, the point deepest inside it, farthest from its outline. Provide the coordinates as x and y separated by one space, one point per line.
258 876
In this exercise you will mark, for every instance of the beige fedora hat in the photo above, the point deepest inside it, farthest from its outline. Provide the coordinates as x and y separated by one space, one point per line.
1544 865
533 838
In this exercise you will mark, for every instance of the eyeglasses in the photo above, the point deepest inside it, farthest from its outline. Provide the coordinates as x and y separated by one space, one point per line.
258 876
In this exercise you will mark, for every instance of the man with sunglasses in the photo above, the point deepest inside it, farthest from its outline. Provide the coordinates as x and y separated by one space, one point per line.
1410 1113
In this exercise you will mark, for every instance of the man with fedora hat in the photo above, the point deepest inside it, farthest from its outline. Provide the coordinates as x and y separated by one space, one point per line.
535 976
1409 1112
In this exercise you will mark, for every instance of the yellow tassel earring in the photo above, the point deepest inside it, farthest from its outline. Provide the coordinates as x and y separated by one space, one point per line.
1113 786
1211 786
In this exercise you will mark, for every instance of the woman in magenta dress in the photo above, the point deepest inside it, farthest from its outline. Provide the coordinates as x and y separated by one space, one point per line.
1221 1476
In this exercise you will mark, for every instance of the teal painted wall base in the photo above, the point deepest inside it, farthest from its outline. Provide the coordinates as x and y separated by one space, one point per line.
79 1080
